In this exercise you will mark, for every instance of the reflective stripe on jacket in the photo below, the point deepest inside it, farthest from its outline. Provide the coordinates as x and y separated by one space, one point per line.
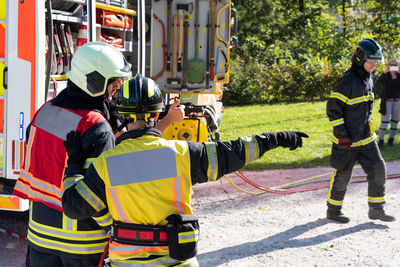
163 261
62 234
349 109
40 179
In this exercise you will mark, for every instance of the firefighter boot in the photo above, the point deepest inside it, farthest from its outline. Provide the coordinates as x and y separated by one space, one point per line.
390 142
380 144
336 215
378 213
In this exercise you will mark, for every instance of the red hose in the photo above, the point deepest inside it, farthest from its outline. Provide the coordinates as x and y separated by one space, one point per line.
291 191
266 189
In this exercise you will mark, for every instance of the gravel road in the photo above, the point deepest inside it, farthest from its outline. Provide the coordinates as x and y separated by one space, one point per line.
12 248
291 230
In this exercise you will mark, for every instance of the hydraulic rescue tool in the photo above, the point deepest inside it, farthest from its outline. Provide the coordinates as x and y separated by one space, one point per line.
204 117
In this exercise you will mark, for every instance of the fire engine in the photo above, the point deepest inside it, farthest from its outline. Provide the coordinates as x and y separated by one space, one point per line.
184 45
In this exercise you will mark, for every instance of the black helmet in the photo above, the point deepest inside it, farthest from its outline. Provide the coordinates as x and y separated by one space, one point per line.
367 48
140 95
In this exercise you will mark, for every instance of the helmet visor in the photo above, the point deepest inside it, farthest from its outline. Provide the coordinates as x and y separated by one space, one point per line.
376 55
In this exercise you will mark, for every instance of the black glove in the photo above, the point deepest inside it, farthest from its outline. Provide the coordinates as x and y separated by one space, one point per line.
290 139
74 150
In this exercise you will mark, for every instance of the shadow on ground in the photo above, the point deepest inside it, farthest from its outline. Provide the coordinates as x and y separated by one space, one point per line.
283 240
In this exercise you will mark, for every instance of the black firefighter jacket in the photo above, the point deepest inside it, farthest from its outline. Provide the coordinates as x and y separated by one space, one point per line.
349 108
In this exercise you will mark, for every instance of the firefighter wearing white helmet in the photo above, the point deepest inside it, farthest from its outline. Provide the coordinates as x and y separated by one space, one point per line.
55 240
145 182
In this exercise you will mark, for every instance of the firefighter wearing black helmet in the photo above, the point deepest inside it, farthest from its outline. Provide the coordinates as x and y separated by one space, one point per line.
145 182
349 110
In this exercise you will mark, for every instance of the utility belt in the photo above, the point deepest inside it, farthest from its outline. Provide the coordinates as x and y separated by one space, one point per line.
180 235
138 234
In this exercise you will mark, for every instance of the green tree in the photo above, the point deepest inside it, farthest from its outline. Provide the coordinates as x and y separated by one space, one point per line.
297 49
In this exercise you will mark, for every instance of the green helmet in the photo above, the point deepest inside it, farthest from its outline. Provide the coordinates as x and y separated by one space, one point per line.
140 95
94 64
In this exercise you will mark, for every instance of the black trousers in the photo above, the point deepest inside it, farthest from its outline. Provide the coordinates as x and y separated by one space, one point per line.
36 258
370 159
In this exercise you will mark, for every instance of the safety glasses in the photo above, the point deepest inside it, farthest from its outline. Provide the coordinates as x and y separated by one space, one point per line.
373 60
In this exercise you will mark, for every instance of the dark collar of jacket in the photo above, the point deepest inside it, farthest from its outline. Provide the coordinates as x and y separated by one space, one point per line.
74 98
137 133
114 115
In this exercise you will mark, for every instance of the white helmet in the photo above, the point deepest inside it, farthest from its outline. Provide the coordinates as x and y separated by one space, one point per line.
94 64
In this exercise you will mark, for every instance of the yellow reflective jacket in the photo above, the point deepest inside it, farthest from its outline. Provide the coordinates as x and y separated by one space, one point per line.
145 178
141 193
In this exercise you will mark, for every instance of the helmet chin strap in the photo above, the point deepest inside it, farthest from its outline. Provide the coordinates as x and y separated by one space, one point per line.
148 118
140 116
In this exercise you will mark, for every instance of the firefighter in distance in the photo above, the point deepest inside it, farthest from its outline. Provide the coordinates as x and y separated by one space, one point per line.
349 110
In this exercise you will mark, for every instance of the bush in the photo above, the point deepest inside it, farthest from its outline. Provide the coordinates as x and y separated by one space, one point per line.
286 79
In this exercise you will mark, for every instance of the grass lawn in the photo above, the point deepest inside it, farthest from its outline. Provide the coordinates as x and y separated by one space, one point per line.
308 117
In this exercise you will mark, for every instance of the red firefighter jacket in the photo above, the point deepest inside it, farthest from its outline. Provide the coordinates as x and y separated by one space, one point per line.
41 175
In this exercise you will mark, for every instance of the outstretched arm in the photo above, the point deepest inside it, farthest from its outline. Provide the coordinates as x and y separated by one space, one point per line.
211 160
